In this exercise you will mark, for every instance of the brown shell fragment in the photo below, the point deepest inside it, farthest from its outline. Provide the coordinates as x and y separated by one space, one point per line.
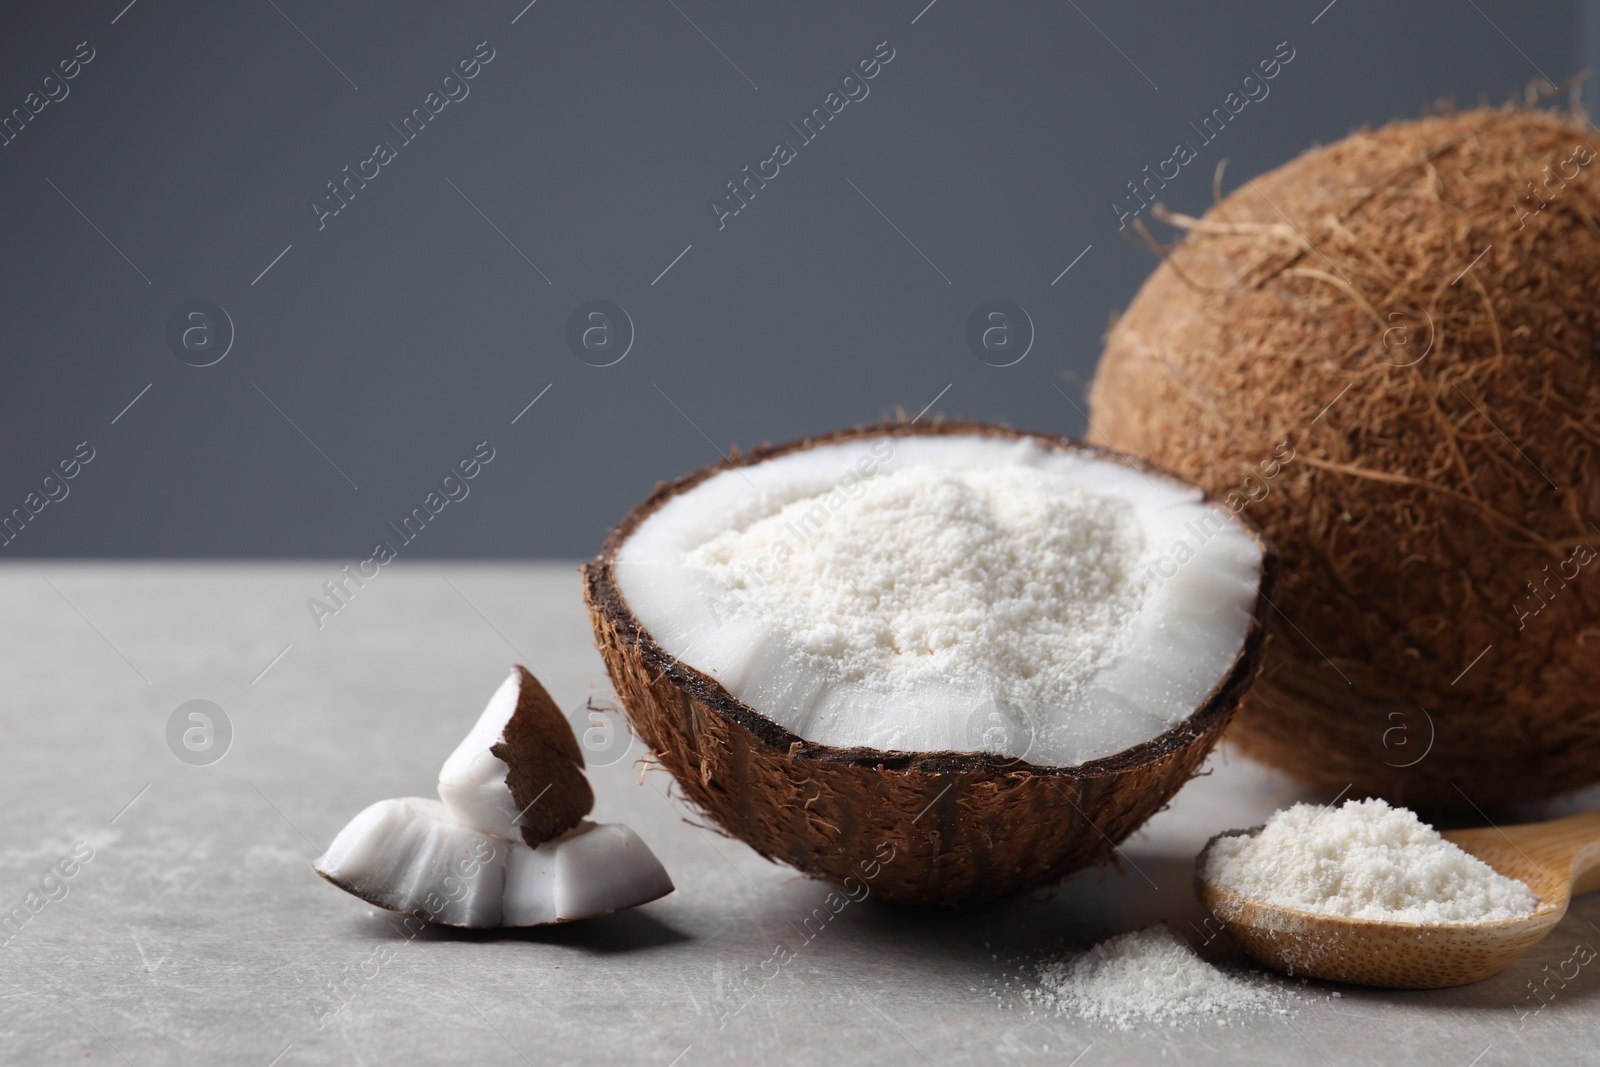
545 765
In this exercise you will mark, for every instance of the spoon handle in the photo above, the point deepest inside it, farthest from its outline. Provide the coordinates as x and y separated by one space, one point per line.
1565 851
1579 836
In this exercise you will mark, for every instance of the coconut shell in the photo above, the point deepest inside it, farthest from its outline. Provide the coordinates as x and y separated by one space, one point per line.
938 828
1413 312
544 765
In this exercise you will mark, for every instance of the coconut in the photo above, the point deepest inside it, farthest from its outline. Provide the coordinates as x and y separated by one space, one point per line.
506 843
957 783
1388 345
409 855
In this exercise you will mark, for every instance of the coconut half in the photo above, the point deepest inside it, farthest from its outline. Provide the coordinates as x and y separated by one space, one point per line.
987 654
506 843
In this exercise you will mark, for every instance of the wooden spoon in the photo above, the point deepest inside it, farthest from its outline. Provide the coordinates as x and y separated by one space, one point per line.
1557 860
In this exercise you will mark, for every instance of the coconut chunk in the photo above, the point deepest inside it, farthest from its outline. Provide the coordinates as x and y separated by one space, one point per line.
410 855
506 843
519 772
601 867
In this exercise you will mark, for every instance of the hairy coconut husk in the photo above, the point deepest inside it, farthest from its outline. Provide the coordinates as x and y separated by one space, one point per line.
941 828
1400 309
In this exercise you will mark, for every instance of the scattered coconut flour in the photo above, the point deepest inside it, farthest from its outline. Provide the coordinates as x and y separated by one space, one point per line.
1150 975
956 576
1365 860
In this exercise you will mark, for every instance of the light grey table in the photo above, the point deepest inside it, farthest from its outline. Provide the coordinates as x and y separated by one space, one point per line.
197 932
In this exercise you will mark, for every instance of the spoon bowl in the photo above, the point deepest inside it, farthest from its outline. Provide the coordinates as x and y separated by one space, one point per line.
1558 860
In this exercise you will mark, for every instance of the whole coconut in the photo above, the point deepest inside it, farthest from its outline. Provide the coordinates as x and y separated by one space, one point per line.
1386 349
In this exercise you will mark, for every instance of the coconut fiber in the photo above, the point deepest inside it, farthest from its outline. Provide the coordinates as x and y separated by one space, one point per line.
1414 310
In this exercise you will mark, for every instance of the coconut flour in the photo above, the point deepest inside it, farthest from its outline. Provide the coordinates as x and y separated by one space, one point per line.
1150 975
949 592
1365 860
1003 579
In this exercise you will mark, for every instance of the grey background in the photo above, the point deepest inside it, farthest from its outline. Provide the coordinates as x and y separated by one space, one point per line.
409 328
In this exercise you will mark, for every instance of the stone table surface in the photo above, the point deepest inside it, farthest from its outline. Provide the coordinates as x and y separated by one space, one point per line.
196 932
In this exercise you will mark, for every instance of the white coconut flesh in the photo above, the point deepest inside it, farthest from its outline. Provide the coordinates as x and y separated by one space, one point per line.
472 782
461 860
410 855
949 593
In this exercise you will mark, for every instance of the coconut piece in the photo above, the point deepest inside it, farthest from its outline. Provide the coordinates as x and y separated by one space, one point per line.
506 843
1388 343
598 868
410 855
519 771
993 781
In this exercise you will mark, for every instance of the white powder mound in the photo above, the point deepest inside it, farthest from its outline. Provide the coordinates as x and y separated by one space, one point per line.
1365 860
1005 578
1150 975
